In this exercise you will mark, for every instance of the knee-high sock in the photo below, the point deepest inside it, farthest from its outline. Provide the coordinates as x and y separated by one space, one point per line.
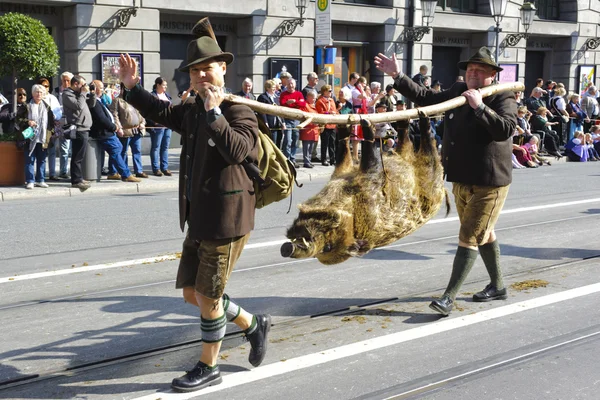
213 330
463 262
490 253
232 310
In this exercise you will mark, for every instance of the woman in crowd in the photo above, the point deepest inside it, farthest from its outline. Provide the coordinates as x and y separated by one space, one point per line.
54 104
523 127
7 117
326 105
273 122
576 113
532 148
519 99
592 153
159 135
558 107
576 149
343 106
310 134
38 116
540 123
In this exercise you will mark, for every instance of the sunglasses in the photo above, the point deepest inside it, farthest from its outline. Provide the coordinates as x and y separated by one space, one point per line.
22 94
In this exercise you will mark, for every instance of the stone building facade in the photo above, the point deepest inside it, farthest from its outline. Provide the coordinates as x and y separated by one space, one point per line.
88 31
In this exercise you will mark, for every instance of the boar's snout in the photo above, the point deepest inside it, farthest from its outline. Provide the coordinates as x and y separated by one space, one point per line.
287 249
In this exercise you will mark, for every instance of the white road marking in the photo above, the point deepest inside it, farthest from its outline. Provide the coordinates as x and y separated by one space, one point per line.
171 257
353 349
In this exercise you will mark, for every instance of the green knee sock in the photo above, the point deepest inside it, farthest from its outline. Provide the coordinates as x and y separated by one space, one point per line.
490 253
463 262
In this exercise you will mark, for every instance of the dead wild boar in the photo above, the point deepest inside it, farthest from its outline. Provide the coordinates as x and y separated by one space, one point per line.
370 205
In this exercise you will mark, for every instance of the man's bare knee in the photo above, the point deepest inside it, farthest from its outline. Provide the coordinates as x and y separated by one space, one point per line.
189 295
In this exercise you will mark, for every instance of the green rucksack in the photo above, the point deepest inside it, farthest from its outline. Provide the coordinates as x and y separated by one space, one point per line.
275 175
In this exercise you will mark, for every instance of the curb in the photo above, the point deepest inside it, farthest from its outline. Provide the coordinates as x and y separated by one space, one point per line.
103 187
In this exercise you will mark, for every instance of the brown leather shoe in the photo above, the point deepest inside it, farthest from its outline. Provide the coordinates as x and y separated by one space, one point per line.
131 178
114 177
167 172
141 175
157 173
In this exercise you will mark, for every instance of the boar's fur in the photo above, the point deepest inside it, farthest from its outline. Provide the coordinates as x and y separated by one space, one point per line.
371 205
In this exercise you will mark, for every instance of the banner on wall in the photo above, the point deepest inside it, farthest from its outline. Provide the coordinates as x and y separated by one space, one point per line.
586 77
510 73
109 65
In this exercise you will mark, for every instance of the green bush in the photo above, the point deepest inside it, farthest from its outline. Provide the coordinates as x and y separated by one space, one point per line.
27 49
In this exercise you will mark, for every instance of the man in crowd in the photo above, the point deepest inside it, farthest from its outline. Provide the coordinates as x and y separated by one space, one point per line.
589 104
247 90
476 156
285 77
535 101
419 78
215 198
63 143
103 129
390 99
291 98
312 79
352 81
77 101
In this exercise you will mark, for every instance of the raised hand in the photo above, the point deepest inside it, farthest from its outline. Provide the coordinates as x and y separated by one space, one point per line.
387 65
128 71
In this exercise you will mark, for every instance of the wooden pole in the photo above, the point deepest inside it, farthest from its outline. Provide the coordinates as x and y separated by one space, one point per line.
354 119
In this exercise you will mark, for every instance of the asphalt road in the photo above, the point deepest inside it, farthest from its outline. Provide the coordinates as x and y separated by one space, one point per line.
90 311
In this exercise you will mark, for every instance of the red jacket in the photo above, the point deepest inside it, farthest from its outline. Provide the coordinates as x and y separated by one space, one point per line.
326 106
311 132
297 95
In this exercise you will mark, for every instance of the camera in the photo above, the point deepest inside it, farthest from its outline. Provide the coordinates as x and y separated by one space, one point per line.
92 87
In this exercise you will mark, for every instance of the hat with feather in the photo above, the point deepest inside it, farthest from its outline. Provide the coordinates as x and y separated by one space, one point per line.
205 47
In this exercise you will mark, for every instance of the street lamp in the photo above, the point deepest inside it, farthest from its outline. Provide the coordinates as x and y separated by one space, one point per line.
498 8
528 11
289 25
416 33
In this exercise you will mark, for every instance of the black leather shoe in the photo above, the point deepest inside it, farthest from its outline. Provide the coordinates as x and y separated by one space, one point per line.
258 339
198 378
443 305
490 293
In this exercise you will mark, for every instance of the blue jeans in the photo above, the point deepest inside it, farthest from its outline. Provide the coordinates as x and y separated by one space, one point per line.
52 157
135 142
64 147
114 148
290 139
38 157
159 149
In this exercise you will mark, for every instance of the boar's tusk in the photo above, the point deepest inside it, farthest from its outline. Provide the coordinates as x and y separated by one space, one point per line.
287 249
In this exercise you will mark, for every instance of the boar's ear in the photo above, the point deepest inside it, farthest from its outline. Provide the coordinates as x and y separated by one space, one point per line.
359 248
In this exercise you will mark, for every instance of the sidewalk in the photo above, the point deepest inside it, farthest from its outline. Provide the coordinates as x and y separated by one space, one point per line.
153 184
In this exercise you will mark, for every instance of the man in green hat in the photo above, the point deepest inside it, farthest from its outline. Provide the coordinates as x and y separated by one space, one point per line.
216 198
476 154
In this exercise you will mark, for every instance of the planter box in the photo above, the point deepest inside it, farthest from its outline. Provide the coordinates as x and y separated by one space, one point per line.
12 165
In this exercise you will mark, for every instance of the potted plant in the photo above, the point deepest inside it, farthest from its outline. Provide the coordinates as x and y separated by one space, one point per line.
27 50
12 160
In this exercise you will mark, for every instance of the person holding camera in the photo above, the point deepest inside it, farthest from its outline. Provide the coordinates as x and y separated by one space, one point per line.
77 101
103 129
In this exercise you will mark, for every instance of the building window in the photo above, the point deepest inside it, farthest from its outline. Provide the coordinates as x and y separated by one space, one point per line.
547 9
462 6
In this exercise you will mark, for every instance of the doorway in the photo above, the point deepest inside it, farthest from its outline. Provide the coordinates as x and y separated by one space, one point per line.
534 69
444 65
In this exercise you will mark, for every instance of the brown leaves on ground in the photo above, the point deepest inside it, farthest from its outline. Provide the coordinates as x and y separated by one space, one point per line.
530 284
356 318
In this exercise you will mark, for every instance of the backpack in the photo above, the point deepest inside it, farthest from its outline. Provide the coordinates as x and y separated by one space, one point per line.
275 175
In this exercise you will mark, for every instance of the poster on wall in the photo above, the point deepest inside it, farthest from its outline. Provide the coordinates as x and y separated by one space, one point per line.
586 77
109 65
291 65
509 74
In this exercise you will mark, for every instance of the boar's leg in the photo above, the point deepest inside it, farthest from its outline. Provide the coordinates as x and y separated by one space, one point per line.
343 159
368 158
427 146
405 145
